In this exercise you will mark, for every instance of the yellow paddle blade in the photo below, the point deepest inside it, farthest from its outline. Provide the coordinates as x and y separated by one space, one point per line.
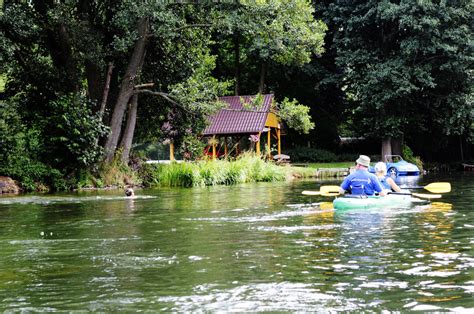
322 193
439 187
311 193
326 205
330 193
329 189
427 196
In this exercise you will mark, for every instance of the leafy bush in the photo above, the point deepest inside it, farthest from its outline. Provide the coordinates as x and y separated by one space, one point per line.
308 154
85 179
72 131
19 154
295 115
407 154
66 139
192 148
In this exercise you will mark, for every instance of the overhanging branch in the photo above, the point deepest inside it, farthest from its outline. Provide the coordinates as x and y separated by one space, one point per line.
144 85
161 94
166 96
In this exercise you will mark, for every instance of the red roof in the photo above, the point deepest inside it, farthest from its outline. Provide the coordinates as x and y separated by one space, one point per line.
235 119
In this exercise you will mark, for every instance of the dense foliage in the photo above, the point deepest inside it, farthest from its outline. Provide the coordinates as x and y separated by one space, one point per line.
407 66
20 154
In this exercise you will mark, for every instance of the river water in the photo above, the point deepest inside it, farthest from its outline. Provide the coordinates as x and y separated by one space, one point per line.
257 247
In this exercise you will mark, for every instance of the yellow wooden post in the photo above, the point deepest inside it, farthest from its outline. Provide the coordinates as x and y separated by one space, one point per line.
225 147
213 150
268 143
279 141
171 151
257 144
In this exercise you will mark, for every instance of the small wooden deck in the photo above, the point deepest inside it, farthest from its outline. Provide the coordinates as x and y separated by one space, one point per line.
332 172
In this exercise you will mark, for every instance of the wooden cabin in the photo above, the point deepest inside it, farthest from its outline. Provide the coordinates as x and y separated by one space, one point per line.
244 118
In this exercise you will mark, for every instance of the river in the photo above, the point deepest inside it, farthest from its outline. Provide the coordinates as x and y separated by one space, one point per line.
256 247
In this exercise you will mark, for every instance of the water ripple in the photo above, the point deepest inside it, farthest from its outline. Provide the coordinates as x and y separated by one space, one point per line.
284 296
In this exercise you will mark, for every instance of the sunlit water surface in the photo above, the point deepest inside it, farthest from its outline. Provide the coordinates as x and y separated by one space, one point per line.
258 247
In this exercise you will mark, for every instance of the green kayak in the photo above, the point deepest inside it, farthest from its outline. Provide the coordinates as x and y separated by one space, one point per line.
367 202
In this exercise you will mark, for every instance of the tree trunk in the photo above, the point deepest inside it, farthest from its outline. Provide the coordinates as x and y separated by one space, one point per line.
237 63
105 94
126 88
127 139
461 151
397 146
94 81
263 73
386 148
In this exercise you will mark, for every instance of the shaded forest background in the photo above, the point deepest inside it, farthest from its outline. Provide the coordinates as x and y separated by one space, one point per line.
83 82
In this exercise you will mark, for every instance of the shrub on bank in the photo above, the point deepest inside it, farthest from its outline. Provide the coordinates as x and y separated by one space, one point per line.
408 155
20 152
33 175
247 168
309 154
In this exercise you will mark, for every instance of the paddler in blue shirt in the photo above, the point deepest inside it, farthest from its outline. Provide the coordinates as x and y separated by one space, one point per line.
362 182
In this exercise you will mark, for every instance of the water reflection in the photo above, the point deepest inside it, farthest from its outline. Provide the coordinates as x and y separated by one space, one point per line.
130 204
407 180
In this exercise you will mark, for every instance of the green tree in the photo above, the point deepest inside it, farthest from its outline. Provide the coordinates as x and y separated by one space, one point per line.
58 49
178 27
54 54
267 33
318 85
407 66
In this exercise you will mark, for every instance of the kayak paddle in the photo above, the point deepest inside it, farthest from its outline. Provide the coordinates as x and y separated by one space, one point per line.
435 187
420 195
322 193
326 205
311 192
325 190
333 190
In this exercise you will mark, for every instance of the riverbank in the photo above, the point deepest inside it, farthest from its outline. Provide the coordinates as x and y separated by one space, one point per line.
245 169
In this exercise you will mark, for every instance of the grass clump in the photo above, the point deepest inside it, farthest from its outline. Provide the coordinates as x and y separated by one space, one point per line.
114 174
247 168
178 174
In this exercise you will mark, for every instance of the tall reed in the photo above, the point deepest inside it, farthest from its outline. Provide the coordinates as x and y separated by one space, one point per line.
247 168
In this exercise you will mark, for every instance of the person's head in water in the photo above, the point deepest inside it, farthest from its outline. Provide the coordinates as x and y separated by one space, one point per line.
129 192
